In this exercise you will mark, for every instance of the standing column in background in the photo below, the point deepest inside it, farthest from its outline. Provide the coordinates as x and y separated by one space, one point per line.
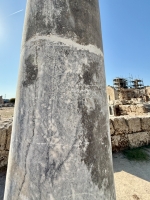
60 145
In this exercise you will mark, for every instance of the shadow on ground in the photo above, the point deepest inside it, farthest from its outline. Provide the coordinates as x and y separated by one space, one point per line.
2 181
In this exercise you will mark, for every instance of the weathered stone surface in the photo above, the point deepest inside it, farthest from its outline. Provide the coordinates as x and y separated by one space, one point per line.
132 110
5 135
120 125
60 145
73 19
2 138
112 131
3 158
134 124
139 139
125 109
119 142
8 130
4 153
136 135
3 161
145 122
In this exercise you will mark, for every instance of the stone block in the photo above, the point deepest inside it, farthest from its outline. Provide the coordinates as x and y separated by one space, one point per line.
134 124
141 109
119 142
4 153
145 123
9 129
112 131
3 136
120 125
3 158
133 108
139 139
3 161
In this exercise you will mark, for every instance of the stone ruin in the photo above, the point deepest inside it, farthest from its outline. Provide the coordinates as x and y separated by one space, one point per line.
132 102
129 132
5 136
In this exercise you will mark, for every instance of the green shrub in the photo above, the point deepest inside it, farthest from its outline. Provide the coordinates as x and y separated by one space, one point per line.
138 154
12 100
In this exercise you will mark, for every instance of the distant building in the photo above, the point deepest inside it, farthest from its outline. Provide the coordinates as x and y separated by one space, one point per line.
112 93
137 84
120 83
128 89
125 93
1 100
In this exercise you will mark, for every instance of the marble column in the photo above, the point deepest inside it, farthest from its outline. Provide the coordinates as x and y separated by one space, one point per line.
60 145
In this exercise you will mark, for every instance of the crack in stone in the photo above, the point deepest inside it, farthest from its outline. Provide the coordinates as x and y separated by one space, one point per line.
33 133
28 148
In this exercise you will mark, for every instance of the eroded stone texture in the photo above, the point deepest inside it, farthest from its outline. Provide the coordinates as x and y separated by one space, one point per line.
119 142
129 132
133 110
145 123
112 131
8 131
2 138
139 139
120 125
134 124
5 135
60 146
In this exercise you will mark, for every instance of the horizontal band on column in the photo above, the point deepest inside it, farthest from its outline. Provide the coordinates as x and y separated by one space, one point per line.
67 42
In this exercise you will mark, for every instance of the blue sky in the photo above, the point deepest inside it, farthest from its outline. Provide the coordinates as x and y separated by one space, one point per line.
126 40
10 43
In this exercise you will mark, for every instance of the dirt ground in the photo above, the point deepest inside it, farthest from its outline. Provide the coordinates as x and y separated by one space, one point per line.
6 112
132 178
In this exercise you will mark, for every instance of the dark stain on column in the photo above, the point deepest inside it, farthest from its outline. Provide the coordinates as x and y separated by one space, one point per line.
95 137
31 71
88 73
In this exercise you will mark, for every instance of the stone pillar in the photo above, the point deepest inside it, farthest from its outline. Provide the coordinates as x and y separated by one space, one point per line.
60 146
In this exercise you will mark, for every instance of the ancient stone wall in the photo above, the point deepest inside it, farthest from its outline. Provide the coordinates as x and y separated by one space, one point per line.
5 135
138 109
111 93
129 132
148 91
